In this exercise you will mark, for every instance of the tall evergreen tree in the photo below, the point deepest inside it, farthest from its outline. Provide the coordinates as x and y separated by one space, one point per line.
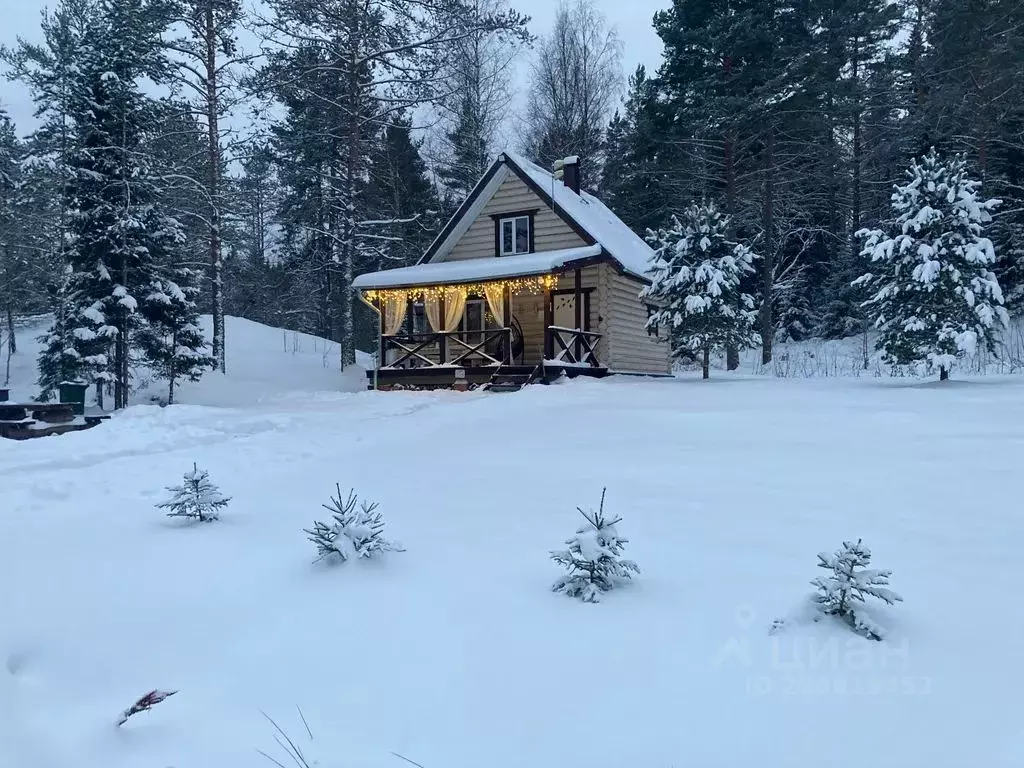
347 69
971 100
10 231
50 69
258 286
637 181
400 192
934 294
121 234
206 54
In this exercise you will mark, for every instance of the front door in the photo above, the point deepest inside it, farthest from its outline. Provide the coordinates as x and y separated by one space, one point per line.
565 310
474 323
565 317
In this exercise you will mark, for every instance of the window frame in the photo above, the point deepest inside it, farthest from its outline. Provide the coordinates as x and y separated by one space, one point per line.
420 324
655 330
513 216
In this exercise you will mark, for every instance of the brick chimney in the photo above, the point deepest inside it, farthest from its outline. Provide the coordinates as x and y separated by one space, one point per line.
571 172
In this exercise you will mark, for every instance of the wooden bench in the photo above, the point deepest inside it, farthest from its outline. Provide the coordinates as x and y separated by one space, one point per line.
23 421
53 413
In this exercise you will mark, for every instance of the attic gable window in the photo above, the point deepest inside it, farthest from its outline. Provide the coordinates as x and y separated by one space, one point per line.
514 234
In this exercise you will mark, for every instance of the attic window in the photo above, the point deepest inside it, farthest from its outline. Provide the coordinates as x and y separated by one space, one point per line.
514 235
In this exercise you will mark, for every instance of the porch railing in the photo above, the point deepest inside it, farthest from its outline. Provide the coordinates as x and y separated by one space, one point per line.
449 348
571 346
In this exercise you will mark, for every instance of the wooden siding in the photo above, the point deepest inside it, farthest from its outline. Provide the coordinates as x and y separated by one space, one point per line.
550 232
628 346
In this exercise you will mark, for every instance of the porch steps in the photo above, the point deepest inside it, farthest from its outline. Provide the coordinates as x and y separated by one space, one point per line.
510 378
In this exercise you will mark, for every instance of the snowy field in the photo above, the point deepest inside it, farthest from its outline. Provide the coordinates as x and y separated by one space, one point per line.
455 654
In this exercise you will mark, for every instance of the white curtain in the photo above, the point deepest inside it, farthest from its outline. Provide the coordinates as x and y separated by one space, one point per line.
495 294
454 306
432 307
394 313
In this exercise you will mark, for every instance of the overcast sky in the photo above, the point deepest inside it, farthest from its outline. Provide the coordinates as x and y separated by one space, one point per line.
632 19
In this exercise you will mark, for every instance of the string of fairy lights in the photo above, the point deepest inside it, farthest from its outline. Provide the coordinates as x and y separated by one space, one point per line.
515 285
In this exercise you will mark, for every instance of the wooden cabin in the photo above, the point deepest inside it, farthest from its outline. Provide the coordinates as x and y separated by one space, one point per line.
531 279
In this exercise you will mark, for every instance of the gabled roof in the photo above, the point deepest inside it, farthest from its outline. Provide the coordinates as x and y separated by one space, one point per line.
585 214
477 270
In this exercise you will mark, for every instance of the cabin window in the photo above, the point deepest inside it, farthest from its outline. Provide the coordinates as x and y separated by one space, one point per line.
652 330
514 235
419 319
475 316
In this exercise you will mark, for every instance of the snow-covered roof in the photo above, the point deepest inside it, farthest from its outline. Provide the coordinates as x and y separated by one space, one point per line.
473 270
592 216
606 234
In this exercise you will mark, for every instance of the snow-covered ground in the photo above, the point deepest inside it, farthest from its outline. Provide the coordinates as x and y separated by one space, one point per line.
455 654
262 364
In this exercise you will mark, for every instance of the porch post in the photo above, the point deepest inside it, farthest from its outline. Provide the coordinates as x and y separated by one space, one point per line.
549 320
507 322
442 341
381 361
578 345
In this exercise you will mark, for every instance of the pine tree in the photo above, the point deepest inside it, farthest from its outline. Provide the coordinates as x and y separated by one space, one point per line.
934 295
696 276
197 498
593 558
330 59
357 530
171 340
122 234
850 583
208 51
637 181
51 70
10 234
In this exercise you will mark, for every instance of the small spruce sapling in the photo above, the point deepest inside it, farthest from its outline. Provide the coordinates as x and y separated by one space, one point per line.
357 530
842 592
593 558
196 498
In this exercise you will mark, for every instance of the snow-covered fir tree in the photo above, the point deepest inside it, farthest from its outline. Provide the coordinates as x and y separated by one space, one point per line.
122 238
696 274
933 293
59 359
593 559
197 498
849 583
172 340
355 531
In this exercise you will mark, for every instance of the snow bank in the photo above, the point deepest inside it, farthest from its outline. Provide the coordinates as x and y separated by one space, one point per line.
263 363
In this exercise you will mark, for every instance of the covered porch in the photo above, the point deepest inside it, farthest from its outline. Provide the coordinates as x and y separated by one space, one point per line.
499 322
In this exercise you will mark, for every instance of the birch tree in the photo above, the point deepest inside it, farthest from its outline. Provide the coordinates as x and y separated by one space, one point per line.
575 82
481 79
